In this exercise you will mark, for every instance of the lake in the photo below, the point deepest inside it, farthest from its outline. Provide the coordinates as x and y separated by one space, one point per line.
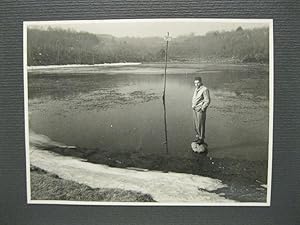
120 108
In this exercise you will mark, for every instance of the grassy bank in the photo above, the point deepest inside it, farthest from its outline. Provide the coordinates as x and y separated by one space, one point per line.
47 186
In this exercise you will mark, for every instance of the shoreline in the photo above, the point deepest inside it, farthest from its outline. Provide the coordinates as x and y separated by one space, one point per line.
82 65
244 179
163 187
121 64
194 163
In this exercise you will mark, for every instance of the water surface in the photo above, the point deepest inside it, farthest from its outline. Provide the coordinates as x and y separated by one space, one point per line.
120 109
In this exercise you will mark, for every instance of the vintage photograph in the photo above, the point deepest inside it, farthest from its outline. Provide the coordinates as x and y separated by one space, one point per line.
149 112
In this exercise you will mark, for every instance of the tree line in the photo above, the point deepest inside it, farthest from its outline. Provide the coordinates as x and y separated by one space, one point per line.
60 47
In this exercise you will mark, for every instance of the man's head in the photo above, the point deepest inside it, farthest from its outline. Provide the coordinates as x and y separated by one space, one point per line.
198 81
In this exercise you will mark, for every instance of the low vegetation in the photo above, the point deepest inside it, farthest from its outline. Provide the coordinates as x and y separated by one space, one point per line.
47 186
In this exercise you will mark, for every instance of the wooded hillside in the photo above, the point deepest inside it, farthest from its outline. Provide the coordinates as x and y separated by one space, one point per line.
58 47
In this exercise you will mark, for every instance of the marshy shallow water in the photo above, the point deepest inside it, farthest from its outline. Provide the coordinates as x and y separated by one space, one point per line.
120 109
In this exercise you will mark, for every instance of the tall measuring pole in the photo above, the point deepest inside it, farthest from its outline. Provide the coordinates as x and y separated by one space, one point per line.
167 38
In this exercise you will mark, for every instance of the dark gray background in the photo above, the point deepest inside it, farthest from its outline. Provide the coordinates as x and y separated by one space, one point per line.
286 157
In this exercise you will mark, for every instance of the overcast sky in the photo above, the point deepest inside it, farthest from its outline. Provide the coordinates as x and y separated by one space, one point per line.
150 28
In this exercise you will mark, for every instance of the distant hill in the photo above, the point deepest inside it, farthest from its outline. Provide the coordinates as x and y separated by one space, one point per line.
58 47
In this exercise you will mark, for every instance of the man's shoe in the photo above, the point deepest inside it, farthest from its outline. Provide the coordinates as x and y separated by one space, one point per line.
196 140
200 141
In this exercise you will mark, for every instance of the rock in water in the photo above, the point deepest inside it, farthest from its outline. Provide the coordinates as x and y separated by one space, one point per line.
199 148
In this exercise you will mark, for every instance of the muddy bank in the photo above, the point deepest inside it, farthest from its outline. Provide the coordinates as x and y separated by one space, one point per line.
243 178
162 187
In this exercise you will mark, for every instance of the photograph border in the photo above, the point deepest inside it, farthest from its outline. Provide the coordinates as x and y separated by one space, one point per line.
225 20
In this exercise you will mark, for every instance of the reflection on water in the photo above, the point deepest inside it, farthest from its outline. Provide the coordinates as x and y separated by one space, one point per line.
122 110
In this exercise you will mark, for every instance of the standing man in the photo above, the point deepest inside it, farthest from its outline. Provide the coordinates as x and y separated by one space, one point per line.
200 102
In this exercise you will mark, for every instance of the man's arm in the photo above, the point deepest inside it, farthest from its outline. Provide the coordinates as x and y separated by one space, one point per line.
206 100
193 101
